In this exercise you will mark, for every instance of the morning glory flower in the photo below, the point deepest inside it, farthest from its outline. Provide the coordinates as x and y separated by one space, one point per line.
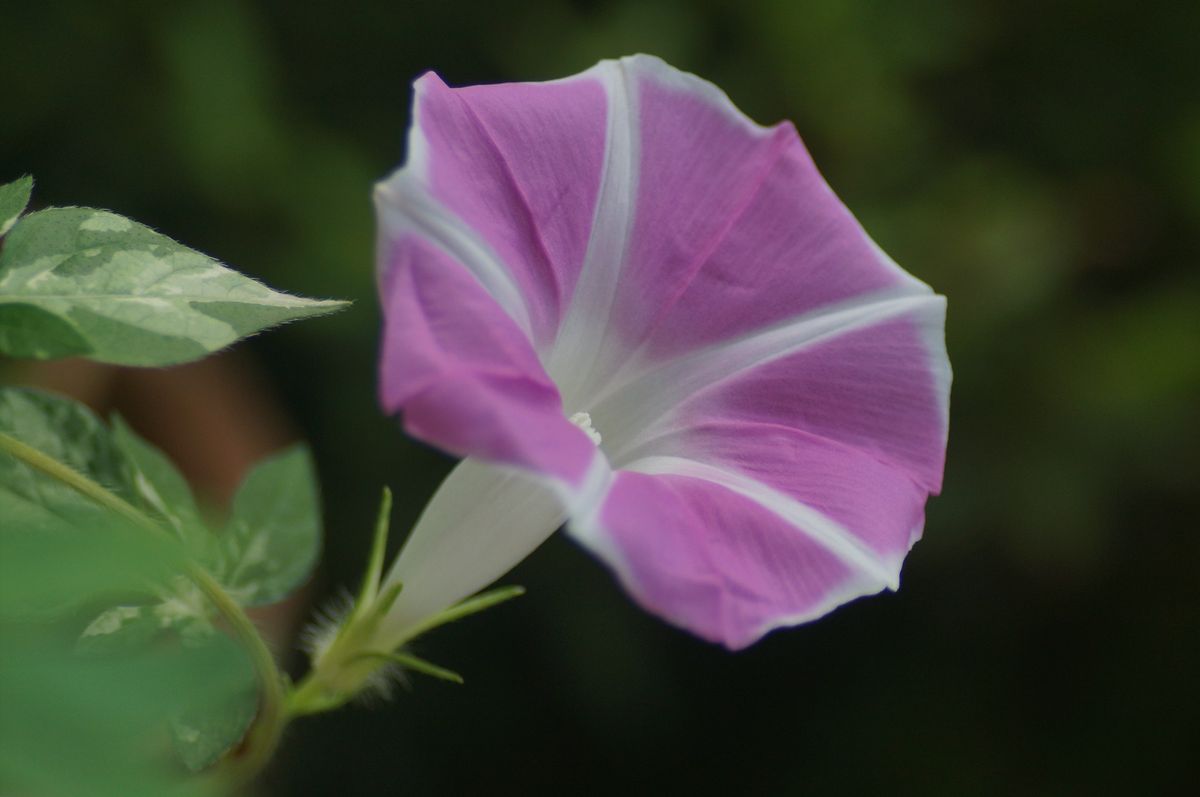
635 311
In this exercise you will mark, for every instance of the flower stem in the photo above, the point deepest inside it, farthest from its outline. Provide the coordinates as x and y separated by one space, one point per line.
263 737
309 697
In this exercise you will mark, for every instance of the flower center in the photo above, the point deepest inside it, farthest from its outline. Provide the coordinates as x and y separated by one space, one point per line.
584 421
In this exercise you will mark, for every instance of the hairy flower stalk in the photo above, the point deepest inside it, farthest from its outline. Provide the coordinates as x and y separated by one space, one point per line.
357 652
635 311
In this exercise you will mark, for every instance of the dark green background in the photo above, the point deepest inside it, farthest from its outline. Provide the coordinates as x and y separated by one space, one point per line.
1039 163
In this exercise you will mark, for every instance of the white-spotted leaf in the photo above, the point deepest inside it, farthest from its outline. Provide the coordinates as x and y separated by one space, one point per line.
14 197
274 532
78 281
69 433
119 461
163 490
118 628
206 730
95 724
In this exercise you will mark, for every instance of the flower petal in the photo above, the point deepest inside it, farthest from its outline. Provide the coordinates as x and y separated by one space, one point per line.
463 373
718 561
789 247
733 228
882 390
877 508
520 164
874 376
837 425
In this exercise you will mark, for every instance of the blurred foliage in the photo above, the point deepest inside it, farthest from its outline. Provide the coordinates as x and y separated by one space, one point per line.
90 721
1039 163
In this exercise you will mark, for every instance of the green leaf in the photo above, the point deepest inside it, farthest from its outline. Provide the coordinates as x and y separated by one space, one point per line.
185 611
54 564
272 539
129 294
119 628
162 489
32 333
268 548
122 463
154 477
182 615
14 197
116 459
205 730
70 433
100 558
94 724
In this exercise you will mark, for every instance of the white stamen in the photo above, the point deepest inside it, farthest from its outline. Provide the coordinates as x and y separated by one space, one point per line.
584 421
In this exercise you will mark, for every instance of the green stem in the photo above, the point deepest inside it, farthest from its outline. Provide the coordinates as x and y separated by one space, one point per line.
346 665
310 697
263 737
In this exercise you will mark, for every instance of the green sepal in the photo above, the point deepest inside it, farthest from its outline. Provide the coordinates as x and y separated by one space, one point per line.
468 607
371 579
411 662
387 598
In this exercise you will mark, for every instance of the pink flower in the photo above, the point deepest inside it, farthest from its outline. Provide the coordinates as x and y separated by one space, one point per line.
633 309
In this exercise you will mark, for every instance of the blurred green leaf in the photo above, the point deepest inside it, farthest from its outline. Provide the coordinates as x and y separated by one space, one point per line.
118 628
69 433
177 614
94 724
162 488
131 295
154 478
176 611
101 558
14 197
122 463
273 535
205 730
118 460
